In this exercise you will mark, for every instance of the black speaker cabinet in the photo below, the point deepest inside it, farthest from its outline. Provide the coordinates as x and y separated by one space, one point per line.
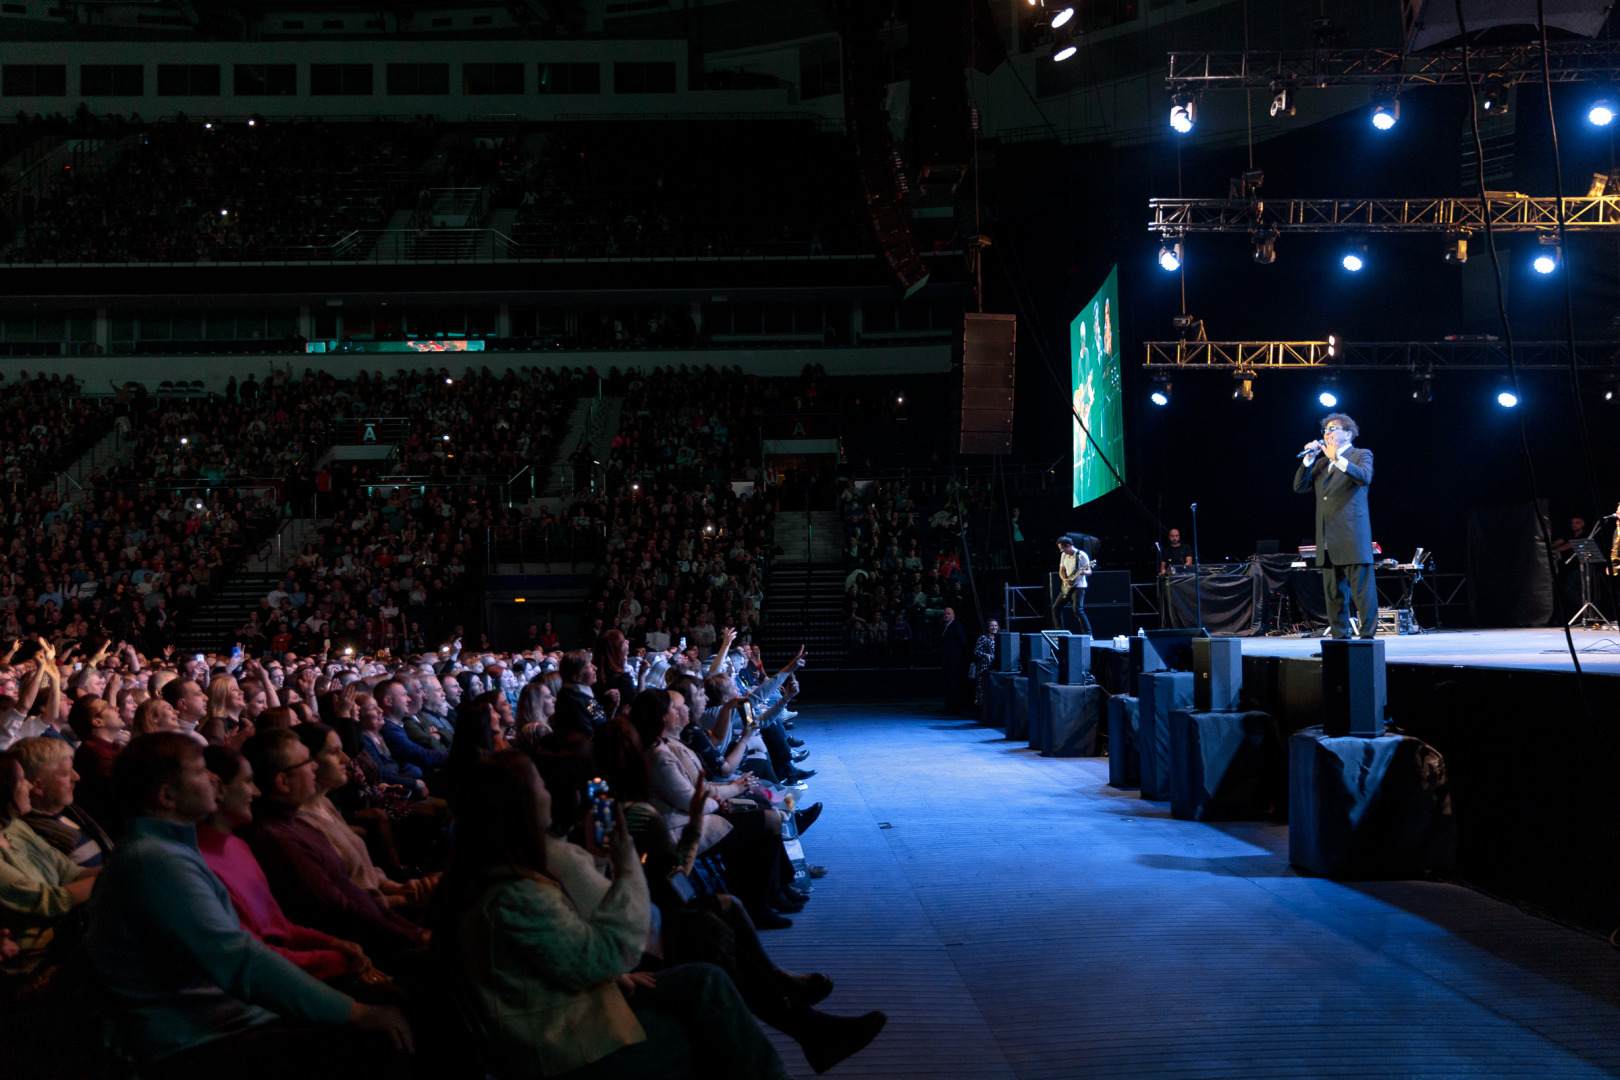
1009 652
1218 673
1354 692
1036 647
988 366
1073 653
1162 650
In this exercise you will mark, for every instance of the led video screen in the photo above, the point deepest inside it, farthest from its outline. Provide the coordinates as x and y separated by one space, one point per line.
1094 348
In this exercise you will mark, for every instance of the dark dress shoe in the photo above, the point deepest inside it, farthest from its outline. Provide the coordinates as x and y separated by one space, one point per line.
837 1037
794 896
807 817
769 920
800 755
794 741
780 902
795 775
816 870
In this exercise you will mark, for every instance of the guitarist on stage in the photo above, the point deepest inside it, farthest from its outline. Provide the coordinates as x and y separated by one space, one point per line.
1074 566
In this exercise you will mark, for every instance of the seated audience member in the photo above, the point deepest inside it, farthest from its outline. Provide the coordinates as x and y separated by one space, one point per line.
321 955
426 721
55 817
189 702
389 769
304 870
699 926
394 700
40 888
537 704
739 832
197 995
332 773
557 991
102 734
483 735
578 712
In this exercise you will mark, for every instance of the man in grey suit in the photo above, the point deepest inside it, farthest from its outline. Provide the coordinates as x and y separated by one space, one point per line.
1339 473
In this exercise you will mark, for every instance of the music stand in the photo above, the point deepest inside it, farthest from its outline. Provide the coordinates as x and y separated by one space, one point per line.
1587 555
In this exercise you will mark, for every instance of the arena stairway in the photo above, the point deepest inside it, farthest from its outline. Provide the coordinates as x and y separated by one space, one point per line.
804 600
212 627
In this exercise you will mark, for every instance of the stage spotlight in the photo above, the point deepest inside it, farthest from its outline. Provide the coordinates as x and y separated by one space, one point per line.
1457 248
1385 113
1507 399
1183 112
1063 52
1546 260
1282 101
1170 256
1422 388
1328 399
1602 112
1333 345
1354 258
1160 392
1611 388
1062 17
1495 99
1244 391
1265 246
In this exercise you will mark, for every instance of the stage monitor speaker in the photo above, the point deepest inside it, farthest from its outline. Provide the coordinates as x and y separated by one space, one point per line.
1036 648
1218 673
1354 692
1162 650
1073 653
988 349
1009 652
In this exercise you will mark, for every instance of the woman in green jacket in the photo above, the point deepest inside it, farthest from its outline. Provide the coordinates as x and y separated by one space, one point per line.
554 990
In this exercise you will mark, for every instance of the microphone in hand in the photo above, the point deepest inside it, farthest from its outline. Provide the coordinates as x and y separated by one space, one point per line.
1314 447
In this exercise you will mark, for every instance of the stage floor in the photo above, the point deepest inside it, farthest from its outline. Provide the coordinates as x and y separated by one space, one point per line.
1016 917
1540 649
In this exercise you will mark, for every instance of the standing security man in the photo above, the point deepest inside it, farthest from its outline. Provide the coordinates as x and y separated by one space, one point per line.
1339 474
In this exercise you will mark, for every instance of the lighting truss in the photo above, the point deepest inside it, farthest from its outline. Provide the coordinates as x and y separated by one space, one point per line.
1508 211
1569 61
1171 356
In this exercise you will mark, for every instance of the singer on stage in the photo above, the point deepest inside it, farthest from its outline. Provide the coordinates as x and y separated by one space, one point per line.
1339 473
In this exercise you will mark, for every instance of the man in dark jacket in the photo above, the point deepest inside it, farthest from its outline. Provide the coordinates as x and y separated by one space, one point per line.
577 710
953 645
1338 474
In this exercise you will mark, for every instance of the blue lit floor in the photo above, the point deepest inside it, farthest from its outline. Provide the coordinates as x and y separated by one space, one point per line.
1018 917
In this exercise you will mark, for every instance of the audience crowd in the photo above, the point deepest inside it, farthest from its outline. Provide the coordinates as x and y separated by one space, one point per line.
189 191
526 864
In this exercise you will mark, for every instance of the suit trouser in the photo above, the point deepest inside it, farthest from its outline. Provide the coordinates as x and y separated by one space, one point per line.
1347 585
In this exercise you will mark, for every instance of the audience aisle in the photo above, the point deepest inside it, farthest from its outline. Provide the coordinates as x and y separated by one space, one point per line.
1015 916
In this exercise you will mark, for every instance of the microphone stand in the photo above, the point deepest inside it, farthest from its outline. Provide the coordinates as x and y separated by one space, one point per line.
1198 584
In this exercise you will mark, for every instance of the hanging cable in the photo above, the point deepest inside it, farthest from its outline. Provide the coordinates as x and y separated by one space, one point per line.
1543 525
1569 299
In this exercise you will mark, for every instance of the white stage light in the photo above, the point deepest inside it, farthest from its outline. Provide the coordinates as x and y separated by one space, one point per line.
1602 112
1507 399
1062 17
1170 257
1352 262
1385 113
1327 399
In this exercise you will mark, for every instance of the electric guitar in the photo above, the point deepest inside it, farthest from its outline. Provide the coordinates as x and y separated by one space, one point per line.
1068 585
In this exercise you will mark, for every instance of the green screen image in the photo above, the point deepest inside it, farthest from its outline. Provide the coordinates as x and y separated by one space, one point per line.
1094 348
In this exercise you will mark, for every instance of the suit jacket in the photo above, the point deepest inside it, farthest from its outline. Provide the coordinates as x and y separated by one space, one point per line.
1343 530
420 729
573 715
954 644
